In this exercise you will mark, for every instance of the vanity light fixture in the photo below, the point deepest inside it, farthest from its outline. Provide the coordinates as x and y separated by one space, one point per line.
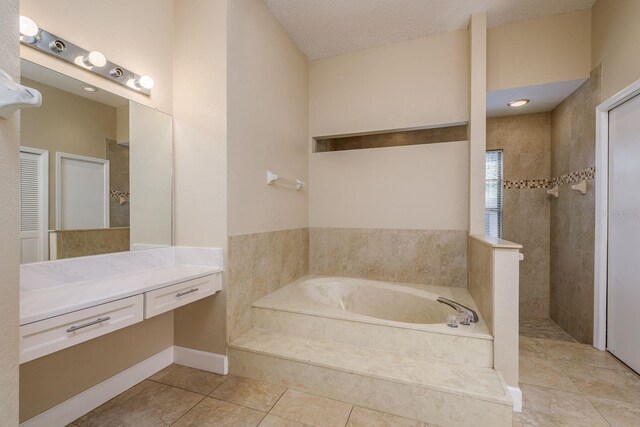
92 61
518 102
95 59
28 30
145 82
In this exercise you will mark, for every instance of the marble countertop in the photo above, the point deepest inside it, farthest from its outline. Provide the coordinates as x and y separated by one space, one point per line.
58 287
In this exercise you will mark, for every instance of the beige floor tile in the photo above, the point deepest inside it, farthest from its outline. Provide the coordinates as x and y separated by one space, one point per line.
545 373
216 413
118 400
155 405
582 354
538 327
607 383
548 407
161 373
362 417
247 392
531 347
618 414
191 379
275 421
312 410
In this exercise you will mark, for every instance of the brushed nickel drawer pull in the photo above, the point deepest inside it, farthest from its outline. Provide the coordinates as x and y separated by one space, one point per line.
190 291
94 322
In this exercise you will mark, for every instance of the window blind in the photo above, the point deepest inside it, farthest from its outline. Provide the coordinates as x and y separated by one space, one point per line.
493 194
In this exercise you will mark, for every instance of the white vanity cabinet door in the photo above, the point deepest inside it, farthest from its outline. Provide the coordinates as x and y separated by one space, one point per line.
50 335
165 299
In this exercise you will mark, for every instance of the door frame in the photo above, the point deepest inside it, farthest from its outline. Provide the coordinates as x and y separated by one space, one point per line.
44 198
105 168
602 214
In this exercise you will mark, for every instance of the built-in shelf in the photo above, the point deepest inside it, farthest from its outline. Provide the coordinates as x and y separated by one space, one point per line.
431 135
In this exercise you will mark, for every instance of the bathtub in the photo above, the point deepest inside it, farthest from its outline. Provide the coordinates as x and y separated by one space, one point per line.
372 301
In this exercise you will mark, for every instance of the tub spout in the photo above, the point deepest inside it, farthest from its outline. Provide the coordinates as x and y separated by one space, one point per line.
473 316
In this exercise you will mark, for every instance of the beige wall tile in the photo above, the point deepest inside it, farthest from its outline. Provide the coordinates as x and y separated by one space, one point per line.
525 141
76 243
572 224
259 264
431 257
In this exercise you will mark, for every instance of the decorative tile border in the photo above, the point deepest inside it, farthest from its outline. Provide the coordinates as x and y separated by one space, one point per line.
568 178
115 193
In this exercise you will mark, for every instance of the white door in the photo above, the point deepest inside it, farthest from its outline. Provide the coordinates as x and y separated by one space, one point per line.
82 192
34 205
623 293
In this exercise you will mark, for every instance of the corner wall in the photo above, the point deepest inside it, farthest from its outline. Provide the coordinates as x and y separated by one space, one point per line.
267 130
200 157
573 214
9 228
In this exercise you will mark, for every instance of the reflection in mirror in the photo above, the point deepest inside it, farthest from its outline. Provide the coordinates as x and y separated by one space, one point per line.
95 171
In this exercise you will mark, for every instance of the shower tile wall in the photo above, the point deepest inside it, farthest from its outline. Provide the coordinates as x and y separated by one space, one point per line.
432 257
525 141
573 214
118 156
259 264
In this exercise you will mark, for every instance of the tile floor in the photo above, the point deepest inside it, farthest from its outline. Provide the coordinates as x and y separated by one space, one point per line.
564 383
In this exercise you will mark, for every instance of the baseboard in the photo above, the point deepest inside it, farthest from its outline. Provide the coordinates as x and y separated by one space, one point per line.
516 394
211 362
71 409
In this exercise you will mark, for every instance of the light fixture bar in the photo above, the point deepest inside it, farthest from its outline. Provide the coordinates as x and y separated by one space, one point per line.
56 46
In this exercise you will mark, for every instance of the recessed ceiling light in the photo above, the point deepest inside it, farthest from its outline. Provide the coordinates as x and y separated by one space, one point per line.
518 102
89 88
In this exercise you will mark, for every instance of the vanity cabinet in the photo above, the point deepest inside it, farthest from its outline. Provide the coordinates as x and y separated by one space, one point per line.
50 335
46 336
174 296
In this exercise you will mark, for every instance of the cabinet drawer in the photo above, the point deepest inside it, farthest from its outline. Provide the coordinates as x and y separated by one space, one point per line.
174 296
50 335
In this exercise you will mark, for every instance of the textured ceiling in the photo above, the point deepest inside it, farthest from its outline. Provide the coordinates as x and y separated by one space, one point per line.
324 28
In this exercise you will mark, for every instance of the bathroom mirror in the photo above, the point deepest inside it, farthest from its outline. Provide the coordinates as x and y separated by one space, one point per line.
95 171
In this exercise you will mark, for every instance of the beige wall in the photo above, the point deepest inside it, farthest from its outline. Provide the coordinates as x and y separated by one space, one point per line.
615 35
525 141
66 123
410 84
135 34
546 50
409 187
267 122
200 156
52 379
9 228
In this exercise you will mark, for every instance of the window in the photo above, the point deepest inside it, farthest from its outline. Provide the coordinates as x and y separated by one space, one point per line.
493 194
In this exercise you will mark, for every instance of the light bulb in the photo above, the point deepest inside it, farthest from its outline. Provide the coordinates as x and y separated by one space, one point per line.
518 102
145 82
95 59
28 27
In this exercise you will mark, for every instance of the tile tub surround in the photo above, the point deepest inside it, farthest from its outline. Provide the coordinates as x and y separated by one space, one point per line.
429 257
52 288
525 141
573 214
118 156
76 243
259 264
